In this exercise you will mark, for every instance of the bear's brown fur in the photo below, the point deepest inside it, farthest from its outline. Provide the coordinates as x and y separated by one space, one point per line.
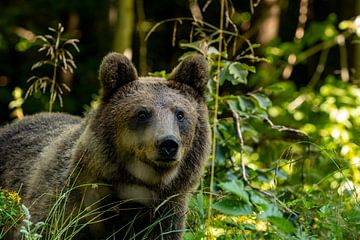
140 152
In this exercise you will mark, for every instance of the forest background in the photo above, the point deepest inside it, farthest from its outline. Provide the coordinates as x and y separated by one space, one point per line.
284 98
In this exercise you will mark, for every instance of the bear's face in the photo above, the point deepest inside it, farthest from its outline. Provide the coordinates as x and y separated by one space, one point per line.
153 120
155 123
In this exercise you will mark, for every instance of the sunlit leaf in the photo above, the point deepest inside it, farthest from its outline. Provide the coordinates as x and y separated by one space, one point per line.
261 203
245 103
271 211
222 76
263 100
282 223
192 45
232 207
239 73
234 106
236 187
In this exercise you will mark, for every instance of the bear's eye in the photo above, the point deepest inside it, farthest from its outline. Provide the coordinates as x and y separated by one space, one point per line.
180 116
143 115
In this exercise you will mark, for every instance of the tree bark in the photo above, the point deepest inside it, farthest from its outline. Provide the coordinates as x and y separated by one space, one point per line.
124 28
269 28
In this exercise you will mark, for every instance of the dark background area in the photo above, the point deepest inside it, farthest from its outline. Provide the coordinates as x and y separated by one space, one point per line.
95 23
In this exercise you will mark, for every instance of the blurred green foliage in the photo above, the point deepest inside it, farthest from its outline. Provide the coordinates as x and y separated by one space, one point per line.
298 140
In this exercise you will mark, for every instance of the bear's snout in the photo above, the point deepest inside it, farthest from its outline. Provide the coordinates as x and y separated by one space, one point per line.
168 148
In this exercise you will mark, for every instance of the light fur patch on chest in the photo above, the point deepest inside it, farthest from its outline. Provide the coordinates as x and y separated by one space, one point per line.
143 171
137 193
148 174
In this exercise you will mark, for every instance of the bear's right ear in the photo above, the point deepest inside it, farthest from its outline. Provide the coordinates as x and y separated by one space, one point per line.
115 71
193 71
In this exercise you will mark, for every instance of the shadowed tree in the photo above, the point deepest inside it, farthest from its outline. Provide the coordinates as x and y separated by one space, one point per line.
125 27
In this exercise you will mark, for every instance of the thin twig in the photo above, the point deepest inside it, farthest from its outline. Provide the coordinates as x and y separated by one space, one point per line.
284 129
215 30
243 164
271 195
241 139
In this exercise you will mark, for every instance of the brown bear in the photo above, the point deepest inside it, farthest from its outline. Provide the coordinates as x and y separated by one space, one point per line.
133 160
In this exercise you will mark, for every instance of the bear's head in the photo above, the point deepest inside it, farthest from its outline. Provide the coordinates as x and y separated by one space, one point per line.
153 126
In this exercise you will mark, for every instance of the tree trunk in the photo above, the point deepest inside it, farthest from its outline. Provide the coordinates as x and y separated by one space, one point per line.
269 28
124 28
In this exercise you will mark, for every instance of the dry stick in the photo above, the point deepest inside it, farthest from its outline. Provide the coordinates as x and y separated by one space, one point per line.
243 165
239 135
251 7
211 28
285 129
216 105
271 195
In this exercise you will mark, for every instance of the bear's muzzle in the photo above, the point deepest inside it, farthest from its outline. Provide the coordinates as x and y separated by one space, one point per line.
168 147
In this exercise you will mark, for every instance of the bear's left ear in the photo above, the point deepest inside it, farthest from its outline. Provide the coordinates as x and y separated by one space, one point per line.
115 71
192 71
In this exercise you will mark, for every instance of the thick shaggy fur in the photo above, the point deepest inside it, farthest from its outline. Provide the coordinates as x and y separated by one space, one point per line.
116 147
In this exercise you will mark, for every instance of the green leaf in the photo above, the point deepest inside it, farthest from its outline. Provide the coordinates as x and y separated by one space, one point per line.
236 187
246 104
213 50
260 202
263 100
234 106
250 131
238 73
248 68
158 74
220 154
194 235
261 115
193 45
271 211
224 72
282 223
232 207
222 76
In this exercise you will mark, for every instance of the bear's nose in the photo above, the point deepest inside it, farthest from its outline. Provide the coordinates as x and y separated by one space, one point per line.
168 147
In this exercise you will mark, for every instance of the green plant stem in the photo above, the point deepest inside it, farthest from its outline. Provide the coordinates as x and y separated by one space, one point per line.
241 139
216 105
210 28
319 69
52 90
